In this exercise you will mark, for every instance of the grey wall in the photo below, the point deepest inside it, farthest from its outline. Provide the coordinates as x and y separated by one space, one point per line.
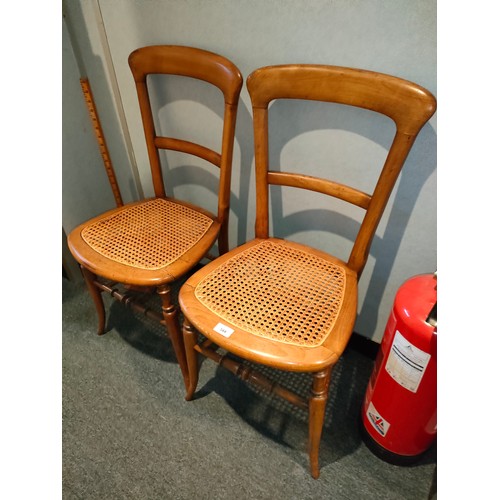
391 36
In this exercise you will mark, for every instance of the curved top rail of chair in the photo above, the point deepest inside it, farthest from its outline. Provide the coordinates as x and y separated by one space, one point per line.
390 95
188 61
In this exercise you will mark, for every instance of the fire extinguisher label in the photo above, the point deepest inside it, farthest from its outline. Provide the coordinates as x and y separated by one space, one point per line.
406 363
380 424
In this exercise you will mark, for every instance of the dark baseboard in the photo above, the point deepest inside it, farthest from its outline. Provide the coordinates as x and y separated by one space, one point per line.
364 345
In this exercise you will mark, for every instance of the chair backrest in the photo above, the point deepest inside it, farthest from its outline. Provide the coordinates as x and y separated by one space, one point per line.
202 65
407 104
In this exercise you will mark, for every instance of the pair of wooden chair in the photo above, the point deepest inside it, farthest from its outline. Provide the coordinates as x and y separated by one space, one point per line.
270 301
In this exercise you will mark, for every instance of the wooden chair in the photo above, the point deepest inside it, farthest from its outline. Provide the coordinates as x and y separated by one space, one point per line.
282 304
149 244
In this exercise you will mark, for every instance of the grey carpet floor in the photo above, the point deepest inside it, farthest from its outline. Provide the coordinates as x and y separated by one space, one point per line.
128 433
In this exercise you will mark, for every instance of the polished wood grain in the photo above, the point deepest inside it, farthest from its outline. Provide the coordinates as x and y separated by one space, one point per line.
98 264
410 106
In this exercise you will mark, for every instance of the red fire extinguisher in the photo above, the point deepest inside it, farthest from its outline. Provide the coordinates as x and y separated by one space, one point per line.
399 412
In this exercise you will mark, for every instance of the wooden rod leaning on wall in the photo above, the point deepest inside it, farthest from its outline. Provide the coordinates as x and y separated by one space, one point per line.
89 100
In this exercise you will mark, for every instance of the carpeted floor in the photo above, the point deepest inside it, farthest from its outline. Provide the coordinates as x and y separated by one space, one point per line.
128 433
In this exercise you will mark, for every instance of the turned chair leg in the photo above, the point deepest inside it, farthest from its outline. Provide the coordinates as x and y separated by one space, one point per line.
96 295
190 337
170 313
317 407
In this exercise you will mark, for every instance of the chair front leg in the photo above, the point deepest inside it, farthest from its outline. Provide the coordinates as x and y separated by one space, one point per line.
170 313
317 408
96 295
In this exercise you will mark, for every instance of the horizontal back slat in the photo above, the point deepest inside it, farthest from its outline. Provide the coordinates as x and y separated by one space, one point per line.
188 147
331 188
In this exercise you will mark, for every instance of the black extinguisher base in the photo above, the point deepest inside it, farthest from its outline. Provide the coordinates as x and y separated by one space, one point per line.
385 454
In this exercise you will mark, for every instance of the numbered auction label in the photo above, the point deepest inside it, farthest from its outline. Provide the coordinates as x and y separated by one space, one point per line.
406 363
223 330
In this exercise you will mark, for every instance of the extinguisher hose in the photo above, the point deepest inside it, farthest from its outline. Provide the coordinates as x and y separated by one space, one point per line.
432 317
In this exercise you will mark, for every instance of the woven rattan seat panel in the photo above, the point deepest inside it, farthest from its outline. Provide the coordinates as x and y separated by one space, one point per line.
277 292
149 235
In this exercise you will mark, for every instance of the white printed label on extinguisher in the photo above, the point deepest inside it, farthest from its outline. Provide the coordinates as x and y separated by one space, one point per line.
381 425
406 363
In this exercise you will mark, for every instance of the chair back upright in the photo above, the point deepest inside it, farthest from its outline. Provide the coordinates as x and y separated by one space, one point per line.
202 65
407 104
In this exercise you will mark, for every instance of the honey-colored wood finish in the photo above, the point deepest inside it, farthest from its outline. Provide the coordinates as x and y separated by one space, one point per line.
265 331
150 244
